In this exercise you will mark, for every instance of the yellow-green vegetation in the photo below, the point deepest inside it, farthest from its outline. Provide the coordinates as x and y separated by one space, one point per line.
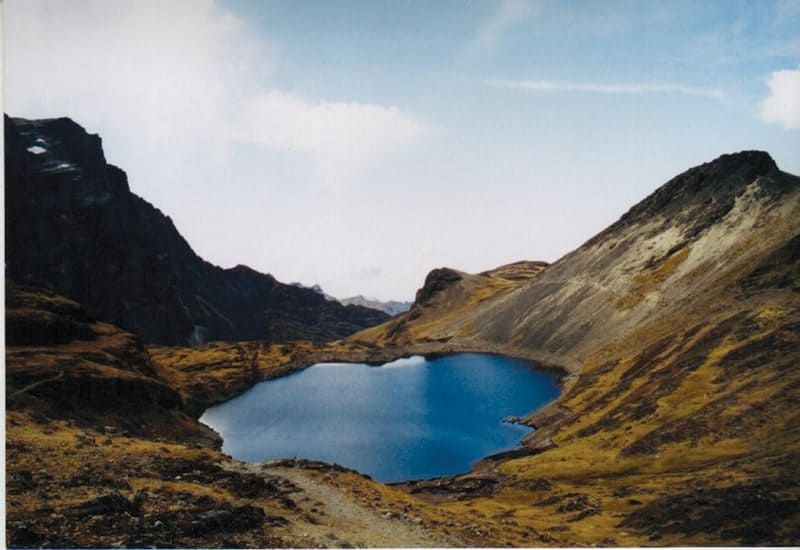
690 417
217 371
101 451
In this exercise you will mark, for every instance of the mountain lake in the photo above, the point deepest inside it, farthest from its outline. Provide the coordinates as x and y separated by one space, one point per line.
409 419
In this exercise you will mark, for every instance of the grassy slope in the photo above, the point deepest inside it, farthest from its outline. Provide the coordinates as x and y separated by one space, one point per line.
678 425
450 312
101 450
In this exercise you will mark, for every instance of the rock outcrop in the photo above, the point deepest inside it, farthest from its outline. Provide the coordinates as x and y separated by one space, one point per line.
63 364
436 281
443 306
73 225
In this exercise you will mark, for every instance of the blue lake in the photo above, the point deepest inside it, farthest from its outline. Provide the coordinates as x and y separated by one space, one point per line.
409 419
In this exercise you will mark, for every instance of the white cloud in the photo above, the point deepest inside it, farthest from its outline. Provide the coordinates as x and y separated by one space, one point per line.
160 70
183 77
509 13
343 138
782 106
598 88
368 272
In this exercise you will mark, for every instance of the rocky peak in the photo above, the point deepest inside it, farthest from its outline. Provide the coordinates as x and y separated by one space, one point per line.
717 180
74 227
60 145
700 196
437 280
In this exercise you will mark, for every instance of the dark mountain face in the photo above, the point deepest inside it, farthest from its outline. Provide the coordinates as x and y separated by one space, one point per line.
73 225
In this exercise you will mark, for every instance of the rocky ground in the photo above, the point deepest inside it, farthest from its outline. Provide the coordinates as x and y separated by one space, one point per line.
71 485
103 448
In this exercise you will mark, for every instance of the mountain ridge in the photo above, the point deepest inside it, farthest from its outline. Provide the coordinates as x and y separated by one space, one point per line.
73 225
651 239
678 328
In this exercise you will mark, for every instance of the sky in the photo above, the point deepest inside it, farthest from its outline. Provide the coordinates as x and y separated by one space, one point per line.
359 144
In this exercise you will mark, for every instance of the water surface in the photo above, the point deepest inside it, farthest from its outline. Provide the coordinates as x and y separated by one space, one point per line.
409 419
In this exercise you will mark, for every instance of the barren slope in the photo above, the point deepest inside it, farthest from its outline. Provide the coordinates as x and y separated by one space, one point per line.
445 305
680 326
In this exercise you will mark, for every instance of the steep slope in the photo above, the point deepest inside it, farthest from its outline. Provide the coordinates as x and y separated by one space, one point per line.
443 308
690 240
680 327
63 364
73 225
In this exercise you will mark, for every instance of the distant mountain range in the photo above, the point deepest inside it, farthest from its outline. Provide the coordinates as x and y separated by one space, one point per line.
391 307
73 226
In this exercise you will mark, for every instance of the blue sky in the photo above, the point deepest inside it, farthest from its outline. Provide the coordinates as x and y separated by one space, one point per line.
359 144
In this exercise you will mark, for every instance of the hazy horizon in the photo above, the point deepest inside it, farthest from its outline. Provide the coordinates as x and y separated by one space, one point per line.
357 145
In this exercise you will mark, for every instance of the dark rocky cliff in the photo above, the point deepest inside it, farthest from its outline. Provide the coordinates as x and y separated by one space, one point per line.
73 225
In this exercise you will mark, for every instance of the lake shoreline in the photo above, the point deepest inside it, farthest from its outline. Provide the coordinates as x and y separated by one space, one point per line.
567 370
442 414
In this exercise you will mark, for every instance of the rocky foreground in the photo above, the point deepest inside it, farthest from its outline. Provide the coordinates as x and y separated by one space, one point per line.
103 448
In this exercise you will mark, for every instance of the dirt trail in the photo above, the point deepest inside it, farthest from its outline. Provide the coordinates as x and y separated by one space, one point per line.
329 516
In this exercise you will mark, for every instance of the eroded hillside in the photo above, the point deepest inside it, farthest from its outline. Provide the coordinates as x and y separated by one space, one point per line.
443 308
679 324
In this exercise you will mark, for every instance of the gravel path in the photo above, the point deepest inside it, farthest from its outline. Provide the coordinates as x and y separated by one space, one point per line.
331 517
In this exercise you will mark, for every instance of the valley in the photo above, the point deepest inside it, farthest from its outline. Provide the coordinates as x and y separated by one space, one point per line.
675 332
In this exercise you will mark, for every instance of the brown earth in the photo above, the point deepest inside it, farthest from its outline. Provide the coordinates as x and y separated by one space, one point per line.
103 448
